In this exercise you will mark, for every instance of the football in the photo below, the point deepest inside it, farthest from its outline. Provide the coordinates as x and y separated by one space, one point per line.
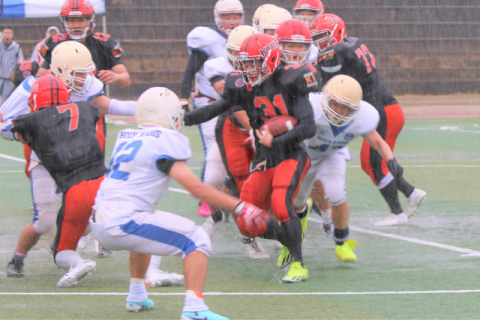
279 125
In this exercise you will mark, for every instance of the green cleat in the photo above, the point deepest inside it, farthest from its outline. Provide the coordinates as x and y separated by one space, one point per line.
345 251
296 274
304 220
284 257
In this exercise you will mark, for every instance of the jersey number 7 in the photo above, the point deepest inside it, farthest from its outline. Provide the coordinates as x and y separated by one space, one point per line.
72 107
363 52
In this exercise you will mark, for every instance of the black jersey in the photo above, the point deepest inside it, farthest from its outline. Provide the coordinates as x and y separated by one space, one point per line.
64 139
351 57
105 49
23 70
285 92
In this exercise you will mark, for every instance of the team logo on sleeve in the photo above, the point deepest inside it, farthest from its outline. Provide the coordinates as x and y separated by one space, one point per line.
239 83
310 79
349 136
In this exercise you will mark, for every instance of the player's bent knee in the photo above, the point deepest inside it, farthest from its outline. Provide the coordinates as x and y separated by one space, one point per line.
335 190
45 220
201 240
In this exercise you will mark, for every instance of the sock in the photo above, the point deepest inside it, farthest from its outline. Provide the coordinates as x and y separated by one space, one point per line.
327 214
137 292
194 302
154 264
405 187
340 236
412 195
390 194
19 256
67 259
327 220
217 216
402 216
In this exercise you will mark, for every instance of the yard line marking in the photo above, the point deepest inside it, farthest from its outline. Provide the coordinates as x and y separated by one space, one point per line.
434 166
469 252
10 171
179 190
12 158
238 293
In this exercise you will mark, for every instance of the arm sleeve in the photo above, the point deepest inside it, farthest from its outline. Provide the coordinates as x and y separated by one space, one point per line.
215 79
21 125
306 124
165 165
196 61
206 113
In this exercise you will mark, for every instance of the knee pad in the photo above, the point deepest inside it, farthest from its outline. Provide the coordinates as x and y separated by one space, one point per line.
202 241
44 221
335 190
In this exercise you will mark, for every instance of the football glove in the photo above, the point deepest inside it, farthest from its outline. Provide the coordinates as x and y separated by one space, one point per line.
185 106
395 169
251 221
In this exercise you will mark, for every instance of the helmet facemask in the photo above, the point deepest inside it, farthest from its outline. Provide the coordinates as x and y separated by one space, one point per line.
324 39
334 117
88 28
256 75
295 56
308 19
77 79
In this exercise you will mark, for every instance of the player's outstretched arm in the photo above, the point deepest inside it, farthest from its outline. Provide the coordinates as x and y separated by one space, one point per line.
112 106
118 75
206 113
377 143
181 173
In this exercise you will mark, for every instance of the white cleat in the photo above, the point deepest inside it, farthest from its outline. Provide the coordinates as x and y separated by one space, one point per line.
70 279
254 249
160 278
101 251
209 226
415 202
83 242
392 220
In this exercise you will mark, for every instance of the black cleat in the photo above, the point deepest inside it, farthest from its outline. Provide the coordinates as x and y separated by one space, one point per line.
15 268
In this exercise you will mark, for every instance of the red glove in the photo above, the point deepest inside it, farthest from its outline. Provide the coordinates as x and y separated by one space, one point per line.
251 221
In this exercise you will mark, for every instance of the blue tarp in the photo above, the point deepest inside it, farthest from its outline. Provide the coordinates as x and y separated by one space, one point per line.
16 9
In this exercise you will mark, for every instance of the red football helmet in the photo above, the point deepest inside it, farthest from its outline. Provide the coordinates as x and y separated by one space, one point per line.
48 91
78 9
316 6
294 31
327 30
258 57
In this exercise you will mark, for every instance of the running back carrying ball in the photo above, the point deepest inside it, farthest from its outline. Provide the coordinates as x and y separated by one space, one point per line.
279 125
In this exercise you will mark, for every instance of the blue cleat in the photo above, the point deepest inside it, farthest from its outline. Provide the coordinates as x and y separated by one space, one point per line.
201 315
139 306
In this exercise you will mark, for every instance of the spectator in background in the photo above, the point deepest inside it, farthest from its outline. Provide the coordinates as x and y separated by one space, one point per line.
51 31
10 54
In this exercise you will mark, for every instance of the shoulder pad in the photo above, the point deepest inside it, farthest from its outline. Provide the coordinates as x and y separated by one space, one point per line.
368 117
201 38
341 48
301 78
232 83
47 46
109 42
175 146
217 67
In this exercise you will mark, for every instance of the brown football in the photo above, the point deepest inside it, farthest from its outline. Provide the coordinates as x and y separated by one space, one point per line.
279 125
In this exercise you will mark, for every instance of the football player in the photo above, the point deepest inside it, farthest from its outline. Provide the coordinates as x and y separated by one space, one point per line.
72 63
144 164
308 10
296 42
340 54
233 150
63 137
264 89
271 18
78 18
205 44
258 14
340 116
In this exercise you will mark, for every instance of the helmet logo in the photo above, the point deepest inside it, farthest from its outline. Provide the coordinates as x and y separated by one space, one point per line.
265 52
87 4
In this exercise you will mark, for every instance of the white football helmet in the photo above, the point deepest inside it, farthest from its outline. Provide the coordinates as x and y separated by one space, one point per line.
259 12
235 39
72 62
228 7
346 91
159 107
272 18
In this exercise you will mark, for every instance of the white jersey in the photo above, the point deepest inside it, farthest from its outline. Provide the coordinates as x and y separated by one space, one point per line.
329 138
212 43
218 67
17 102
133 177
313 56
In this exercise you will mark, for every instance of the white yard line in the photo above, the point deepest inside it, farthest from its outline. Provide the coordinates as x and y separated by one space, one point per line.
466 252
12 158
11 171
238 293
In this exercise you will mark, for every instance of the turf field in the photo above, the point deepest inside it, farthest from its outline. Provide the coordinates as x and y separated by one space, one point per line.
428 269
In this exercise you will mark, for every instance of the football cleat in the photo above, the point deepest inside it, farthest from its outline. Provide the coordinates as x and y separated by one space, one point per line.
101 251
415 202
209 226
297 273
159 278
284 257
139 306
83 242
328 229
201 315
254 249
70 279
204 210
304 220
15 268
393 219
345 251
